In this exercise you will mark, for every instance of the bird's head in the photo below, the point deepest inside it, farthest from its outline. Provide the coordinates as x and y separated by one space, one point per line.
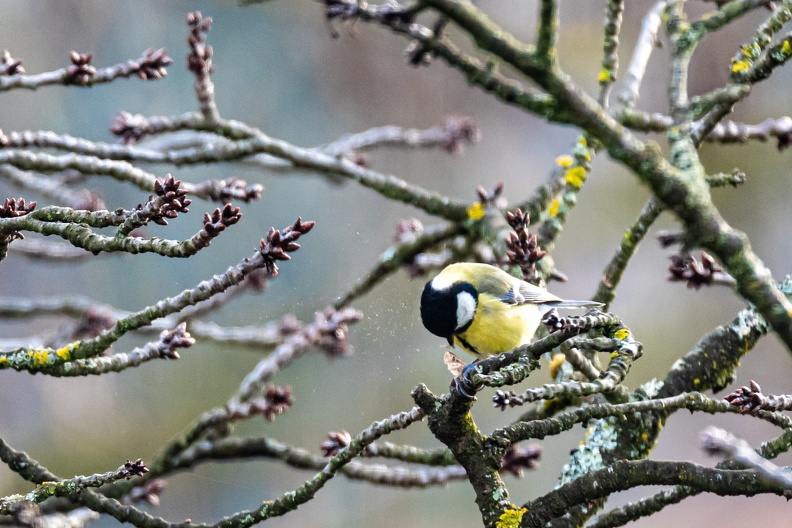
448 310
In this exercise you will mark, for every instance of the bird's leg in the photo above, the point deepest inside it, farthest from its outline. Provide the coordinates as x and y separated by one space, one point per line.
463 383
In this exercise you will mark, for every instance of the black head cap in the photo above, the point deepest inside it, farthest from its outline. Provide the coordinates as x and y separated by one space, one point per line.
439 308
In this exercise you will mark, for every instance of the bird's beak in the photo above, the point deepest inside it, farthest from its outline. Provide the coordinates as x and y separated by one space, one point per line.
450 340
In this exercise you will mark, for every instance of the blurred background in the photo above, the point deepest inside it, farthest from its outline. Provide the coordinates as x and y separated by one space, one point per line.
278 68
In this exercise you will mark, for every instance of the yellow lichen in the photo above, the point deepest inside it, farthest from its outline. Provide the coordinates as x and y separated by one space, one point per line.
696 381
40 357
64 353
740 66
565 161
582 141
3 360
604 76
786 48
511 517
575 177
553 210
476 211
621 333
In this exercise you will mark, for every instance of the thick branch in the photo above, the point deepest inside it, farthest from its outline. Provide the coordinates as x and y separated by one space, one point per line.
623 475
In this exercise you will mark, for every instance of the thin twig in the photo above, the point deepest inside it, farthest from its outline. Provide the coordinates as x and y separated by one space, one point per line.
150 65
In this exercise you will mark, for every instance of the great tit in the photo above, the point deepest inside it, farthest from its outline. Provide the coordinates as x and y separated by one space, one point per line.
484 310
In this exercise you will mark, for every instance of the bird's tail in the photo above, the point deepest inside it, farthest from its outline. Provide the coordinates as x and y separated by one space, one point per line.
573 304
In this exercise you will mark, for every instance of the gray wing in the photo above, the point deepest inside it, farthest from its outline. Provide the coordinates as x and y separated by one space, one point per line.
511 290
524 293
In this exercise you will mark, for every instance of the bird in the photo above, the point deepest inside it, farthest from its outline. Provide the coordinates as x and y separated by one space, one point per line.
485 310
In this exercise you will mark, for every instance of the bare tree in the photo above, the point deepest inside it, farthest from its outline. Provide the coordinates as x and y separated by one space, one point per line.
623 422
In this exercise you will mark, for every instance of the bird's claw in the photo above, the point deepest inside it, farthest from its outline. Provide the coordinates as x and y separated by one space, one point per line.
463 384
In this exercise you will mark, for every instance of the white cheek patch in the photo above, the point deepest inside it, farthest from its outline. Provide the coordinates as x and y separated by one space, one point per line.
466 307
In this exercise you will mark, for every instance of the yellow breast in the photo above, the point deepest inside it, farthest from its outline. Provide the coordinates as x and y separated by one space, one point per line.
498 327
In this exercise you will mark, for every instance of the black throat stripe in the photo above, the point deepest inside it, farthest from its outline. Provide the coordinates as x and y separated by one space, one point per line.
467 345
